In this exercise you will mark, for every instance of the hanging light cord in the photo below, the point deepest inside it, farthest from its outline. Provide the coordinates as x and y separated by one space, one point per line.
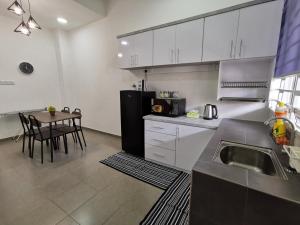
29 7
22 8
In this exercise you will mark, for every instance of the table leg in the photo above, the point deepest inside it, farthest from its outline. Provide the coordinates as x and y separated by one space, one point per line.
77 134
51 142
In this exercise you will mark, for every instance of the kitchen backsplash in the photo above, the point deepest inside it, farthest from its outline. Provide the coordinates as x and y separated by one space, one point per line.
199 85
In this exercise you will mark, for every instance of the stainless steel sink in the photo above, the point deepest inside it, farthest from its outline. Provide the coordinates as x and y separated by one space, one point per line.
260 160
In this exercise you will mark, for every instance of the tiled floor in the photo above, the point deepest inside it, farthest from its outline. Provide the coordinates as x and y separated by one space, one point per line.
75 189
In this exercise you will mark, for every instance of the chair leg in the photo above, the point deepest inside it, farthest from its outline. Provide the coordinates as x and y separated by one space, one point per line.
58 142
23 148
54 143
66 143
83 136
74 138
29 142
32 150
42 152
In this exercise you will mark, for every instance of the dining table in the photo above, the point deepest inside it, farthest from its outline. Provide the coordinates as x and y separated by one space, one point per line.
47 118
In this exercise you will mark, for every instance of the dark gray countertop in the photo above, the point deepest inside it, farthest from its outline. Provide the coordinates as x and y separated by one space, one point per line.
255 134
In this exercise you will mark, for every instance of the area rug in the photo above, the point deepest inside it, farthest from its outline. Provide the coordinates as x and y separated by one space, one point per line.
173 206
149 172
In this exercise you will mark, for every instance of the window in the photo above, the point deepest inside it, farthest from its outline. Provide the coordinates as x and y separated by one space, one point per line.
287 90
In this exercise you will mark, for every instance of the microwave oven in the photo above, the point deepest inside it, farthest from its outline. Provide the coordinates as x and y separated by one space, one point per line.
171 107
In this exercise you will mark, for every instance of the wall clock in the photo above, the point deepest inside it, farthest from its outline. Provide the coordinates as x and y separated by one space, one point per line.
26 68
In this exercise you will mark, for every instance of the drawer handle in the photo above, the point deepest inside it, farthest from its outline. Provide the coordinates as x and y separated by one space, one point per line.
157 140
158 128
159 155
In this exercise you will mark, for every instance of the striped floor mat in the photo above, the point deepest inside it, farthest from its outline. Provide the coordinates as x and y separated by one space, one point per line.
152 173
173 206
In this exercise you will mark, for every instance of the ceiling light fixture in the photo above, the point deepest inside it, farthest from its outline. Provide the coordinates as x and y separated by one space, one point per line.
16 8
31 23
62 20
124 43
23 27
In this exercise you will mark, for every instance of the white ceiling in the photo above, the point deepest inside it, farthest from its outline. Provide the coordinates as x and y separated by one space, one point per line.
77 12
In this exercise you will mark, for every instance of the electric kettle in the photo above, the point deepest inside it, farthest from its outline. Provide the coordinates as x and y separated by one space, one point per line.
210 112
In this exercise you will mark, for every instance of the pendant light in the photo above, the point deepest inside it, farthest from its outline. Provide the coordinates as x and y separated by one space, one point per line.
16 8
23 28
31 23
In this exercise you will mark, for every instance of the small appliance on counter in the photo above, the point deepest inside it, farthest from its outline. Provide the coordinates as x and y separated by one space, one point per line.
170 107
210 112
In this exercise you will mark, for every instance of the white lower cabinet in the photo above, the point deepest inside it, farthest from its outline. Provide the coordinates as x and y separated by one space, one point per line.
161 155
161 140
191 142
179 149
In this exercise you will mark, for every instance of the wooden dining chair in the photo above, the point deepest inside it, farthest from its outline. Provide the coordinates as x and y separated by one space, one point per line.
77 111
38 135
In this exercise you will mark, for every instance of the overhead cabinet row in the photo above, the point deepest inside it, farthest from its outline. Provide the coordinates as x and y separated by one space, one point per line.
246 33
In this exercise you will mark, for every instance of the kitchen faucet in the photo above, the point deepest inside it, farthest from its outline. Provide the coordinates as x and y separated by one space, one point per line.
293 131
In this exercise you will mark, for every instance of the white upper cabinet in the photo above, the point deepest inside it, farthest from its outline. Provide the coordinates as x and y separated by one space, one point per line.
164 46
143 49
136 50
246 33
126 52
189 38
259 28
220 36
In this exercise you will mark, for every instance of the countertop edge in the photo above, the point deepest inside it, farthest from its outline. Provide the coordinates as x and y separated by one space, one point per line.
174 121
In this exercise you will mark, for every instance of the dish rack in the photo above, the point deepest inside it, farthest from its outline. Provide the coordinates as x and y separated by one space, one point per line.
244 84
242 99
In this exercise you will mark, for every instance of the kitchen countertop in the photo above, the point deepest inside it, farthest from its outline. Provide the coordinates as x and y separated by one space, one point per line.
255 134
183 120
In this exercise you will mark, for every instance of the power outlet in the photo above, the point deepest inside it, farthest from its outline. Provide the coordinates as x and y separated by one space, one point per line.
7 82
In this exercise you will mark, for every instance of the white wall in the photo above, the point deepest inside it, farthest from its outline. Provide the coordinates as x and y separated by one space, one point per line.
37 90
96 79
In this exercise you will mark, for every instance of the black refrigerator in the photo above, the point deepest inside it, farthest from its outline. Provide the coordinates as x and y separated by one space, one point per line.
134 105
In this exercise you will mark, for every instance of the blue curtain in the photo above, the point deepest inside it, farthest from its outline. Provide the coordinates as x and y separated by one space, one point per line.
288 55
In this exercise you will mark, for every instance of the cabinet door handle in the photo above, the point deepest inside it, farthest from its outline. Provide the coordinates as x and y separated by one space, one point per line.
177 134
178 53
131 60
135 60
158 128
241 45
172 55
159 155
231 49
157 140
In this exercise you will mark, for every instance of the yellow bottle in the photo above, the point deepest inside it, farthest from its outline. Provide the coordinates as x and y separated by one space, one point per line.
279 129
279 132
281 110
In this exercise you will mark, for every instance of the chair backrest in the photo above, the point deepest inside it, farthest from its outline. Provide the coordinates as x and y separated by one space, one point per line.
66 110
35 126
77 111
24 122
